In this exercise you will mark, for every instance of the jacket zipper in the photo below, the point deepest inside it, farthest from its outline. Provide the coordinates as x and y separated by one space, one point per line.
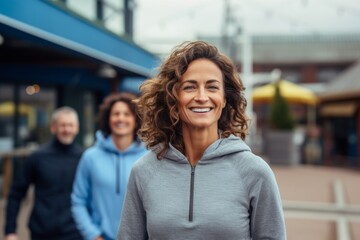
117 173
191 204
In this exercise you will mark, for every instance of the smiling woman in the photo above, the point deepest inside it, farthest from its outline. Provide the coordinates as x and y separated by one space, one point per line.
104 168
200 179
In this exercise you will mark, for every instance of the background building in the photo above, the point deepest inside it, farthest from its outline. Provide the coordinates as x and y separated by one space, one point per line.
325 64
55 53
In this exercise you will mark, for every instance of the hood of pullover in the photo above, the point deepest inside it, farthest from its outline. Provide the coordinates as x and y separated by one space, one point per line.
108 145
218 149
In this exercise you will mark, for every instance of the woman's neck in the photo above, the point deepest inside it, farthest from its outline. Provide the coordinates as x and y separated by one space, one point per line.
122 142
196 141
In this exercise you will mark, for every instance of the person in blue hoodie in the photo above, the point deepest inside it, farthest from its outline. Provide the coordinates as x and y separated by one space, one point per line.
102 175
200 180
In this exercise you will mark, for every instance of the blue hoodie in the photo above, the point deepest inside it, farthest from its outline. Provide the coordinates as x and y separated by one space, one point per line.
100 185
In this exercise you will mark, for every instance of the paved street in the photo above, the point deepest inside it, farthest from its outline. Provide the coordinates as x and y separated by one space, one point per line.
320 203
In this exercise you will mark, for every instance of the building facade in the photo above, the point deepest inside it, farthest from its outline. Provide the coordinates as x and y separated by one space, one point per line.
63 52
318 62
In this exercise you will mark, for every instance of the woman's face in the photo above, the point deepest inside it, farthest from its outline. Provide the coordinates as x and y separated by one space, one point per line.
201 95
122 121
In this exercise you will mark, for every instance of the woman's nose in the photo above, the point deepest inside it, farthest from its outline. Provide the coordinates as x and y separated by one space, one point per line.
201 95
121 117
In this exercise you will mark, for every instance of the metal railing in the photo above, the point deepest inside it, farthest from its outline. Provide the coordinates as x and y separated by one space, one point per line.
340 212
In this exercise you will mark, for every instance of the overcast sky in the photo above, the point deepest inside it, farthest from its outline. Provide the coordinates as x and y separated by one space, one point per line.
161 24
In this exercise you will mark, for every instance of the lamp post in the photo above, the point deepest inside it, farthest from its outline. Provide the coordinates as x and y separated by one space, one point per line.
244 39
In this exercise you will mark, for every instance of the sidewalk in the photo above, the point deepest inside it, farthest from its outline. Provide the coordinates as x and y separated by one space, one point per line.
320 203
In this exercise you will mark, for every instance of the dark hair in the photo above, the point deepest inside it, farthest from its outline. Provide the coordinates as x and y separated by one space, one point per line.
105 109
158 102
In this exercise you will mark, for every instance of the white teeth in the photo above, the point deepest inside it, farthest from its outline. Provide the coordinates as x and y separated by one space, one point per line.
121 125
200 110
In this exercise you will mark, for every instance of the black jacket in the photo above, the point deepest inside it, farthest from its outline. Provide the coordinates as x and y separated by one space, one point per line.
51 169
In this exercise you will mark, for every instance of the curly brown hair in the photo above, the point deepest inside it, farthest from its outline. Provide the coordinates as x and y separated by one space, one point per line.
105 109
158 103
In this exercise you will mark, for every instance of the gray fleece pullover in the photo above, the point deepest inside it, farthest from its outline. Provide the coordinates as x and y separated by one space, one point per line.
231 194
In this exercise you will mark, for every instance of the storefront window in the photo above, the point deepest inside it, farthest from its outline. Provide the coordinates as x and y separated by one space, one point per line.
327 74
89 123
36 106
7 111
112 12
85 8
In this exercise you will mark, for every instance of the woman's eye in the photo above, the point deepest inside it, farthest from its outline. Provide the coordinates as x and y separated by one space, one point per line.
189 87
213 87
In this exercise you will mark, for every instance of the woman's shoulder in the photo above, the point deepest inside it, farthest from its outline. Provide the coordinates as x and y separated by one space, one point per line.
93 152
148 160
249 162
91 149
147 165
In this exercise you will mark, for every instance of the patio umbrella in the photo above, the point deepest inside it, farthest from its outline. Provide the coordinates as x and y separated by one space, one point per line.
292 92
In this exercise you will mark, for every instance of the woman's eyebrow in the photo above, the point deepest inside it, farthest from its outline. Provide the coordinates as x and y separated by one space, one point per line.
189 81
195 82
213 81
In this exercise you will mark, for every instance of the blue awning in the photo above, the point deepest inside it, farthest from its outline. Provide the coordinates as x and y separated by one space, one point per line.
131 85
43 20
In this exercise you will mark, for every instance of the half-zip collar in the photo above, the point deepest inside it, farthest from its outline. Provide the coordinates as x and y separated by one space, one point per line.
213 153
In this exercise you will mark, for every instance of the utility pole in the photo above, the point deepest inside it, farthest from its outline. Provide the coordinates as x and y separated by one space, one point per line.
129 6
247 70
244 38
226 28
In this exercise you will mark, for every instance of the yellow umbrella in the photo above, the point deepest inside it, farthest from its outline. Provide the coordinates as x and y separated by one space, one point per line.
292 92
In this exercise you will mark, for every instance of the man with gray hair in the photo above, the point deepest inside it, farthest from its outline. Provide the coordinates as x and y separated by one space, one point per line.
51 169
